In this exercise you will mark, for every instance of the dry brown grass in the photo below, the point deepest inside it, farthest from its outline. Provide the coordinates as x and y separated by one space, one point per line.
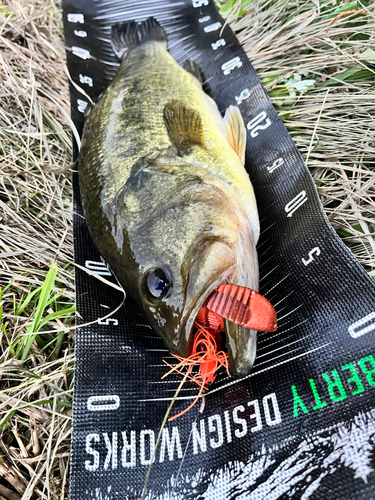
36 230
332 124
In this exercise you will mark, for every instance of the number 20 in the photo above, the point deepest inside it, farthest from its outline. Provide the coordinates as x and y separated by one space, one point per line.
256 123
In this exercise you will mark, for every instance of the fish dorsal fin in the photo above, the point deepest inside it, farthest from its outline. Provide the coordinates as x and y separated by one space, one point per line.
192 67
184 126
236 131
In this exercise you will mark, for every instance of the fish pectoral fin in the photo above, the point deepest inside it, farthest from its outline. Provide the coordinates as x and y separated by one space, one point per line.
192 67
236 131
184 126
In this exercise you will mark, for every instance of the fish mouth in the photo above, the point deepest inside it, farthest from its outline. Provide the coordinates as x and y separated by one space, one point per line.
241 342
189 319
226 267
217 266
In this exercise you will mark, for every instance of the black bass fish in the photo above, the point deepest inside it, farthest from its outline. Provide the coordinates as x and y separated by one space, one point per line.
165 194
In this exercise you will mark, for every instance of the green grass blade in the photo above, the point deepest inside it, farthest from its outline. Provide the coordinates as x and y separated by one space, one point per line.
24 303
42 304
57 314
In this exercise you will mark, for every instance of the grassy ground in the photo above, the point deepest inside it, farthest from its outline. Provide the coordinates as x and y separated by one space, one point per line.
320 78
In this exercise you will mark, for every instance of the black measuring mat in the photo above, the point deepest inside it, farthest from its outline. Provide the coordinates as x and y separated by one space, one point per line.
302 424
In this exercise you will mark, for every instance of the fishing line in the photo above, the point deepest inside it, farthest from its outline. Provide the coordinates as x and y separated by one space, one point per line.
160 433
187 444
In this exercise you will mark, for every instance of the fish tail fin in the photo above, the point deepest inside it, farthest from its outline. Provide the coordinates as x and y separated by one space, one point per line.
129 35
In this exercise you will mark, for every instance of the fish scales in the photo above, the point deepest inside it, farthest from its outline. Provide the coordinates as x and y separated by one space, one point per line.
165 195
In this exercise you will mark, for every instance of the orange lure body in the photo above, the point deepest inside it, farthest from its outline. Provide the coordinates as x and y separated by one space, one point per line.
238 304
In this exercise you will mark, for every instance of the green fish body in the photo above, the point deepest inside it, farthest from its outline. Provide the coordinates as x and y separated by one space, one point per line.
167 200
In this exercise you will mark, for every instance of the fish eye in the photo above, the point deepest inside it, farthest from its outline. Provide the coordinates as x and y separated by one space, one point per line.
158 283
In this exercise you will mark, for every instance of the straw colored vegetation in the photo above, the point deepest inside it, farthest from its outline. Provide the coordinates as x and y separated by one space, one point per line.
320 77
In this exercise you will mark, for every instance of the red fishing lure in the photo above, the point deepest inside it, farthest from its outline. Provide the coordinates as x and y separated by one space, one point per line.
235 303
